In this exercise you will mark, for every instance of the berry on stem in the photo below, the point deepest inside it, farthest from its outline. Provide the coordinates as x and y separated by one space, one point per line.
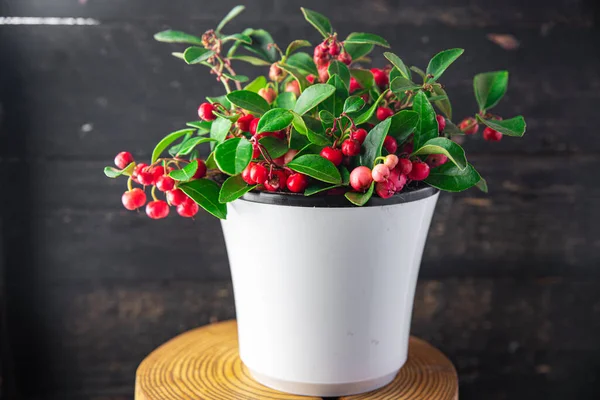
441 122
380 173
146 176
385 189
297 182
359 135
390 144
383 113
334 49
268 94
435 160
351 147
491 135
176 197
243 123
469 126
420 171
206 112
157 209
398 179
380 77
404 166
361 178
354 85
246 174
275 73
276 182
345 58
294 87
324 73
123 159
188 208
259 173
133 199
391 160
333 155
164 183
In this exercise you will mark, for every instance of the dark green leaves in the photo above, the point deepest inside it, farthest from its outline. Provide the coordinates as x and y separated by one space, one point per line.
186 173
441 61
219 129
447 147
249 101
400 85
374 142
403 124
188 146
237 37
167 141
367 114
312 96
363 77
360 199
261 44
286 100
316 167
452 179
443 105
233 155
295 45
257 84
427 127
489 88
319 21
233 188
353 104
112 172
399 64
341 70
358 50
335 103
275 120
366 38
170 36
303 62
510 127
273 146
206 193
235 11
196 55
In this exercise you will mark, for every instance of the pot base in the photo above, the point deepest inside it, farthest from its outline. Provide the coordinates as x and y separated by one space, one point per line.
323 389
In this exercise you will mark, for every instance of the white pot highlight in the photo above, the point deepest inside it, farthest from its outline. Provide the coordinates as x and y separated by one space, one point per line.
324 296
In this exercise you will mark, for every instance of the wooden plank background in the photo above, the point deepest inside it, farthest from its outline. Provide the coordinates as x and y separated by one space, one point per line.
510 284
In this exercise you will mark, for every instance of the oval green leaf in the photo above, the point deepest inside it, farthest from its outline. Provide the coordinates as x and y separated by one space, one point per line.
399 64
403 124
447 147
316 167
257 84
312 97
353 104
360 199
189 145
196 55
220 128
366 38
510 127
286 100
303 62
450 178
113 172
427 127
319 21
233 188
273 146
171 36
233 155
249 101
441 61
235 11
167 141
295 45
206 194
400 85
340 69
186 173
274 120
374 142
489 88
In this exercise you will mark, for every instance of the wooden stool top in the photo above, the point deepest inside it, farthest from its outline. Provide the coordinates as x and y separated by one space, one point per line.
203 364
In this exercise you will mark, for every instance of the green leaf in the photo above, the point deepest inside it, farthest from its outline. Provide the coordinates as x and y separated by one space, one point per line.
179 55
249 101
312 97
318 187
452 129
353 104
235 11
400 85
447 147
233 188
202 126
319 21
286 100
167 141
210 161
326 117
274 120
262 44
433 99
296 74
510 127
366 38
189 145
399 64
257 84
175 148
220 100
316 167
236 78
297 140
360 199
219 129
443 105
363 77
113 172
275 147
450 178
358 50
238 37
345 176
335 103
419 72
171 36
257 62
489 88
206 194
441 61
341 70
427 127
295 45
303 62
403 124
319 138
364 117
299 124
233 155
374 142
482 185
309 149
196 55
186 173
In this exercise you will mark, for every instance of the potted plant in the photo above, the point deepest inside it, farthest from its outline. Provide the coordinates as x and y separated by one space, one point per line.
325 175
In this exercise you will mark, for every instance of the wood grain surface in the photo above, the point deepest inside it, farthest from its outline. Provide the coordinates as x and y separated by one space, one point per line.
204 364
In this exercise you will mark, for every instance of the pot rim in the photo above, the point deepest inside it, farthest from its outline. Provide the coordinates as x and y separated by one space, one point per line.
337 201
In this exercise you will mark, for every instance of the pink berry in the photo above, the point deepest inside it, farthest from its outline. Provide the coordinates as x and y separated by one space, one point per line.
361 178
293 87
398 179
354 85
188 208
383 113
333 155
469 126
351 147
391 160
206 112
420 171
390 144
380 77
277 181
385 189
200 171
359 135
268 94
441 122
334 49
123 159
296 183
176 197
243 123
165 183
435 160
345 58
157 209
323 73
491 135
404 166
133 199
380 173
259 173
275 72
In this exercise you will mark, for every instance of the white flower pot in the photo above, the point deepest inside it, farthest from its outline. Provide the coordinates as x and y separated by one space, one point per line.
324 290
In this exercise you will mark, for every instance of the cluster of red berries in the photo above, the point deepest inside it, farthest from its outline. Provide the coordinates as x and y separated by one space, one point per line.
157 176
469 126
325 52
273 180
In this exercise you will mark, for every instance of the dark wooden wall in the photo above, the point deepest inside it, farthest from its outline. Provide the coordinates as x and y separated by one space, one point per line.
510 282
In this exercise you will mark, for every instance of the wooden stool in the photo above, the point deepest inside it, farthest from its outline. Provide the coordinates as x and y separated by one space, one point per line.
203 364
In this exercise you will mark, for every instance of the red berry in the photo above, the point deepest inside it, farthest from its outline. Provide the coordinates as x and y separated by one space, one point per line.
345 58
276 182
244 122
435 160
391 160
469 126
176 197
354 85
398 179
491 135
310 78
246 174
383 113
157 209
259 173
268 94
390 144
380 77
136 171
380 173
333 155
420 171
359 135
293 87
334 49
165 183
297 182
404 166
361 178
324 73
146 177
254 125
157 171
188 208
123 159
255 151
385 189
134 198
201 171
441 122
206 112
351 147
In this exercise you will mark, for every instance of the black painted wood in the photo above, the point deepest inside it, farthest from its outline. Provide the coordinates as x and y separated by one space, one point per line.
510 289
